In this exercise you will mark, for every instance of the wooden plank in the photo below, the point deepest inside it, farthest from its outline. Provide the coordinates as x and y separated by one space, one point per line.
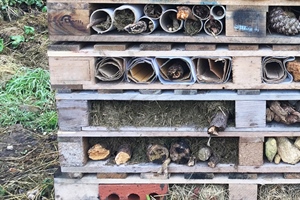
68 18
193 2
250 114
241 47
65 46
287 47
252 77
72 114
103 167
178 179
73 153
200 47
254 6
176 132
291 175
246 139
248 92
243 191
111 47
212 95
135 51
161 36
156 46
185 92
242 176
71 71
112 175
246 23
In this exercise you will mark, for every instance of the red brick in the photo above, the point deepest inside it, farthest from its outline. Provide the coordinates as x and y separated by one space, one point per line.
131 191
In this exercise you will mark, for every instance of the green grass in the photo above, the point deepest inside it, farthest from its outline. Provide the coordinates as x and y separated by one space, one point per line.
27 99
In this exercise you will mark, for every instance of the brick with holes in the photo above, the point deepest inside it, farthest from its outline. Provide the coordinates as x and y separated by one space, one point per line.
132 191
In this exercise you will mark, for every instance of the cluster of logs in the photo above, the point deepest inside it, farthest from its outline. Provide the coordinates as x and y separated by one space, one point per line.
179 152
284 112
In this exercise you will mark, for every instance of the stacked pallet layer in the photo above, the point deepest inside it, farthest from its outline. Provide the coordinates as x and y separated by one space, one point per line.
248 44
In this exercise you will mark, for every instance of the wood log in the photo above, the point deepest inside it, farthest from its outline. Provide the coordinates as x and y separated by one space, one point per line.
180 152
213 160
164 167
218 122
192 161
184 13
157 153
123 155
98 152
284 112
204 153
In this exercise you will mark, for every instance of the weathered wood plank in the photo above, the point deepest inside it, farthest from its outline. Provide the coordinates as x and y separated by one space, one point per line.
212 95
102 167
252 77
71 71
287 47
156 46
72 114
200 47
65 46
160 36
68 18
250 114
191 2
112 175
241 47
111 47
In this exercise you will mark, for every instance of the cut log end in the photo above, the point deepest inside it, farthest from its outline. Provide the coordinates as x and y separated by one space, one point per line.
98 152
213 161
157 153
213 130
180 152
123 155
204 153
192 161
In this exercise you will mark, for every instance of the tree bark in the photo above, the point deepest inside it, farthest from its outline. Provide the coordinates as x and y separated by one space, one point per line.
213 160
157 153
180 152
284 112
123 155
218 122
98 152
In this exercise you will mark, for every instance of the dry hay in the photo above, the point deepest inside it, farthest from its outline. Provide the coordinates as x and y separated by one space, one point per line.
33 52
198 192
226 148
9 67
29 167
279 192
115 114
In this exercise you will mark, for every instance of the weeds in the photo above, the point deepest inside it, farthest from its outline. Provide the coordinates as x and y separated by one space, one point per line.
27 99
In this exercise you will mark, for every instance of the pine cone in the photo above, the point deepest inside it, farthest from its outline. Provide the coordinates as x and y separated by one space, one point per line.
284 21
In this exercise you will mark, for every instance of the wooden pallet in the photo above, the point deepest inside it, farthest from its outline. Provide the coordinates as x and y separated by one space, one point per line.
78 70
70 19
87 186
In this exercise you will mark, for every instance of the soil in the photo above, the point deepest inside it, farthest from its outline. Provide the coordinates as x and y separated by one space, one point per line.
25 156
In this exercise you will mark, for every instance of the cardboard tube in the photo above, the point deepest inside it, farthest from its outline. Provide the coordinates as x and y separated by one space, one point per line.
110 69
168 21
213 27
218 12
201 11
106 15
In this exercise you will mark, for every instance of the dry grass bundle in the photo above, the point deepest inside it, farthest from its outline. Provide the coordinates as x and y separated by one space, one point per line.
198 192
227 148
116 114
279 192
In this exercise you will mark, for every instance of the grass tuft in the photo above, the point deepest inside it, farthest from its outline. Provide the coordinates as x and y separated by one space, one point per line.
28 100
